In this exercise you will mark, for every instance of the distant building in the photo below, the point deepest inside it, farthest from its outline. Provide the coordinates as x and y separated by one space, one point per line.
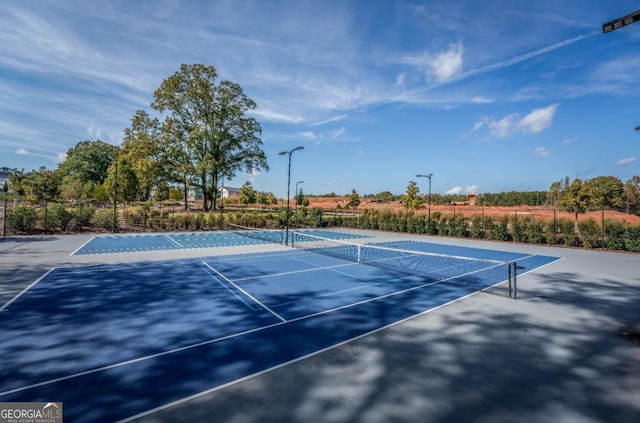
228 192
471 201
5 173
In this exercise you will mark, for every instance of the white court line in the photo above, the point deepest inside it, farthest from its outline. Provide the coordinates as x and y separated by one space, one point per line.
80 247
228 289
245 292
174 241
4 307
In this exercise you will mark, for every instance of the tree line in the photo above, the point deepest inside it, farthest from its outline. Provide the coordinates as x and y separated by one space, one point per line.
576 196
201 135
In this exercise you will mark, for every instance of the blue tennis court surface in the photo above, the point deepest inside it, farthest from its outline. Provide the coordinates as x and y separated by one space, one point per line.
153 242
114 341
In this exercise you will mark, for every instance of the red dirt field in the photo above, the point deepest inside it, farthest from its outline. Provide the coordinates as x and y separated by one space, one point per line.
538 213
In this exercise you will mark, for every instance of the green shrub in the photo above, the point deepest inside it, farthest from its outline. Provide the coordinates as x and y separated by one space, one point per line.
550 229
567 231
21 219
441 226
103 219
614 234
476 227
535 232
417 225
589 231
632 238
55 216
502 229
458 227
83 214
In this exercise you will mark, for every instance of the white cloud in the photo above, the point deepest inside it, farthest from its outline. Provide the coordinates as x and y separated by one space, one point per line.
337 133
504 127
538 120
332 119
526 56
541 151
463 190
308 135
22 152
532 123
626 161
447 64
480 100
93 131
441 66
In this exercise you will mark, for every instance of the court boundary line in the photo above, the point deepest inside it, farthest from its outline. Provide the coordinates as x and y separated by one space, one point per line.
227 288
174 241
82 246
245 292
21 293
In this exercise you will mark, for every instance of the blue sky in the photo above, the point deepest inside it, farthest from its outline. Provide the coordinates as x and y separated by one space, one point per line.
489 96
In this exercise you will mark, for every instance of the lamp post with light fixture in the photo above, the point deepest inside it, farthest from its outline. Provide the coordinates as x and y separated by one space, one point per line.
282 153
428 200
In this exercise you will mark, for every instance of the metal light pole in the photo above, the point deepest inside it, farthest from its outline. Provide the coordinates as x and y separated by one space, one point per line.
5 189
221 204
115 201
282 153
296 212
428 200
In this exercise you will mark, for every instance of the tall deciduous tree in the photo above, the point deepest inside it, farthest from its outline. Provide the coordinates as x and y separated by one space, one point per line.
211 122
126 180
89 161
576 198
142 148
178 167
606 192
632 193
44 185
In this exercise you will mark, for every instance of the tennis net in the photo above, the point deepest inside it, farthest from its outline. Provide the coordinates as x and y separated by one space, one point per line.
268 235
476 274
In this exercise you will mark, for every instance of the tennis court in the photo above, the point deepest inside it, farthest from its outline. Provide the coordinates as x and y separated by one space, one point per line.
107 244
114 341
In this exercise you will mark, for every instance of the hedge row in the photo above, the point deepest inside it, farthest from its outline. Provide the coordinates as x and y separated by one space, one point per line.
588 233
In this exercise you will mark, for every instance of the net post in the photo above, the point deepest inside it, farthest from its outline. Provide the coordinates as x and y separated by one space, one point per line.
515 281
510 273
